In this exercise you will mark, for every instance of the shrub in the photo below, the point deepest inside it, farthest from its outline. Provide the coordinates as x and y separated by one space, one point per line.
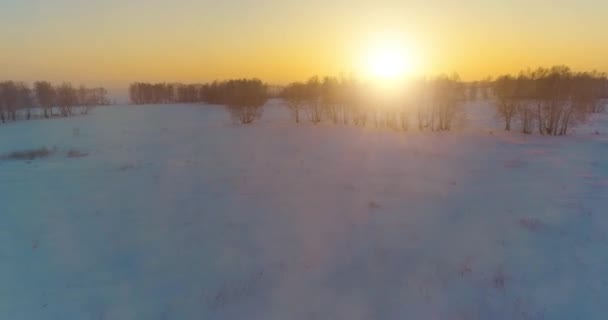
245 99
28 154
76 154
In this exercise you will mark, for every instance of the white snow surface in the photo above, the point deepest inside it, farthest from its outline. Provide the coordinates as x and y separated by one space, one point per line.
176 213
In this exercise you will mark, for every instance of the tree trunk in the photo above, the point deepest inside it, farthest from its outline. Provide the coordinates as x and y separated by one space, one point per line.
540 121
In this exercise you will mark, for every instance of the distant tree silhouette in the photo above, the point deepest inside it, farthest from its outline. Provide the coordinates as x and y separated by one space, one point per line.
148 93
245 99
295 96
447 98
46 96
25 99
330 97
556 97
555 110
348 97
88 98
67 98
589 91
17 99
473 90
187 93
551 100
82 97
484 88
313 100
506 90
526 103
346 100
9 101
212 93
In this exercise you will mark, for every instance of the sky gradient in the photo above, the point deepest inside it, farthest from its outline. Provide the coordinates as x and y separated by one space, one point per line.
115 42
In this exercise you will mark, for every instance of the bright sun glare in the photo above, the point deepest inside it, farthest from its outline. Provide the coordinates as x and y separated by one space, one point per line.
389 62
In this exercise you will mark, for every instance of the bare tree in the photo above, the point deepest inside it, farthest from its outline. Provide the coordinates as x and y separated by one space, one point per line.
25 99
447 99
245 99
187 93
313 100
295 96
557 98
66 98
10 99
83 98
359 103
485 87
2 103
473 90
555 95
505 90
46 96
423 96
330 98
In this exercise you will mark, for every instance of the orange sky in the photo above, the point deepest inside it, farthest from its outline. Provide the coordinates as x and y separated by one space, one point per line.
113 43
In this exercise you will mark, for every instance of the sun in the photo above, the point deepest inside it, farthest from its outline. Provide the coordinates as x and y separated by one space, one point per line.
386 64
389 62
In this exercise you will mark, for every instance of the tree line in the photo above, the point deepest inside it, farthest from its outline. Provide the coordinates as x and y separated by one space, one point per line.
430 104
479 90
434 103
243 98
550 100
18 99
160 93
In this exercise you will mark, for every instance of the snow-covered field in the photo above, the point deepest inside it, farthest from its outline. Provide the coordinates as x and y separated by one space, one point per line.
176 213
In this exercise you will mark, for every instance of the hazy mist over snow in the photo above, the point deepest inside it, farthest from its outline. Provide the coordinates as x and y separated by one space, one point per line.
173 212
